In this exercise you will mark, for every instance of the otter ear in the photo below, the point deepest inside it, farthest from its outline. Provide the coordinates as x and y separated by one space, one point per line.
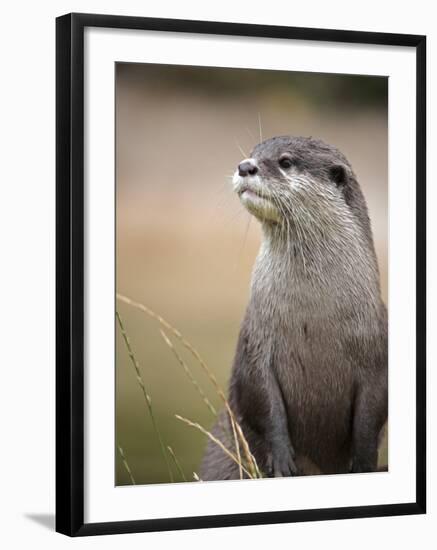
338 174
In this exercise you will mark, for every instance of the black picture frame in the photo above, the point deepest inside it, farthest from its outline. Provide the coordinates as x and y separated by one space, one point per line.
70 273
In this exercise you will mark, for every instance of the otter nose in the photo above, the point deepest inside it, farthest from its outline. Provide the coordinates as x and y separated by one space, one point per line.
247 167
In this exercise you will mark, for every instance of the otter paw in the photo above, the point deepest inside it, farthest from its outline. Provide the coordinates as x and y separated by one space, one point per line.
282 463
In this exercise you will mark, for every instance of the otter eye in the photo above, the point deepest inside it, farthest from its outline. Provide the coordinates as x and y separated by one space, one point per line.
285 162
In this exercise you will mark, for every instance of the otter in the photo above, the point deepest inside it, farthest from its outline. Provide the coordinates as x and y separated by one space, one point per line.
309 378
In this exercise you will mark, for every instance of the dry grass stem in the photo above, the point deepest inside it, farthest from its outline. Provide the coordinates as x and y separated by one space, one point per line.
126 465
143 388
177 463
188 373
201 392
234 424
215 440
237 449
249 456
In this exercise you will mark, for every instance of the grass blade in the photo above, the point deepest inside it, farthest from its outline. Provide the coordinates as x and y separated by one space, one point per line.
126 465
201 392
215 440
143 388
177 463
188 373
234 424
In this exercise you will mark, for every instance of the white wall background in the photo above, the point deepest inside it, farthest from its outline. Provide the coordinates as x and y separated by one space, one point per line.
27 168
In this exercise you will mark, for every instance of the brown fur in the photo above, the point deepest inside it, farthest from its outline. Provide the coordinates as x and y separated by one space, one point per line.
309 378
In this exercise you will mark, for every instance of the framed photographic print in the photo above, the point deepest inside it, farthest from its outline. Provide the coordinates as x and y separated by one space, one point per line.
240 274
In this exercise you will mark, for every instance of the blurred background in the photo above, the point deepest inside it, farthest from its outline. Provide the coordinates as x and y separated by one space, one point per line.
184 245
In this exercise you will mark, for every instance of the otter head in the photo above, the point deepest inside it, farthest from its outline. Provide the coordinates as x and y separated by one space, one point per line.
301 180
